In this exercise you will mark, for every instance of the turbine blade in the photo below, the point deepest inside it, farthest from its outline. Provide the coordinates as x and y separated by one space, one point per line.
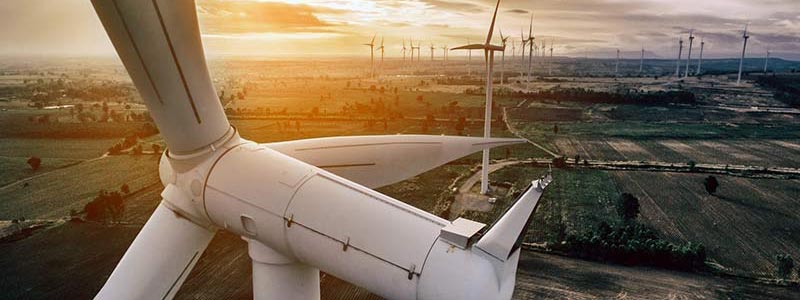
470 47
380 160
159 259
159 44
491 27
506 235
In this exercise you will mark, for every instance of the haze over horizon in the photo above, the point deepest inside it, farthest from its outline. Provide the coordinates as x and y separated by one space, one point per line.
339 28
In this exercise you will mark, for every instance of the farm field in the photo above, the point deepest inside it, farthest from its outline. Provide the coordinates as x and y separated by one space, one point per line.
54 194
743 226
223 272
754 152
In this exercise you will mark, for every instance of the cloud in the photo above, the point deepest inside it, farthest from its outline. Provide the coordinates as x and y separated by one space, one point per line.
242 17
459 6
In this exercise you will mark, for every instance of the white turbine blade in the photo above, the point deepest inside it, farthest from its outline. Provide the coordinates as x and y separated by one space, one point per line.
491 27
159 259
159 44
379 160
506 235
469 47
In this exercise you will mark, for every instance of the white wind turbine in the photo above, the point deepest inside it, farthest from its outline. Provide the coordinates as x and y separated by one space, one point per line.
404 51
700 60
523 41
531 43
689 54
766 62
488 51
419 54
371 45
616 66
641 62
382 49
744 48
678 61
302 206
503 59
550 61
432 50
444 54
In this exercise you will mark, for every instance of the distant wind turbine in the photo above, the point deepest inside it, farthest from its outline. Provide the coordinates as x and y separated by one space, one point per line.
741 61
531 40
550 61
641 61
766 62
404 50
444 53
503 59
678 61
700 61
616 66
432 49
371 56
689 55
381 48
488 51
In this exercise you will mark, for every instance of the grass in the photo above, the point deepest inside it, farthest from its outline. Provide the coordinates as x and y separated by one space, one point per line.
53 195
55 148
16 168
576 201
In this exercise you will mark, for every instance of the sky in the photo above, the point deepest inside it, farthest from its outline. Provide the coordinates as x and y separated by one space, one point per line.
323 28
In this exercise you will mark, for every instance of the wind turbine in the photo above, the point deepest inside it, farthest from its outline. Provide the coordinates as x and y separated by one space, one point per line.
700 61
523 41
503 58
432 49
381 48
641 61
766 62
744 48
678 61
531 40
297 218
689 55
371 56
419 53
404 50
616 66
550 61
513 50
488 52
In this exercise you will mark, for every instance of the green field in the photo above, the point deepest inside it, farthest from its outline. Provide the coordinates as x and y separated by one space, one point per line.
54 194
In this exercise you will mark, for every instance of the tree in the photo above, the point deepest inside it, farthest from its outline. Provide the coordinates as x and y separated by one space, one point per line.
577 159
784 265
711 184
156 148
628 207
125 189
34 162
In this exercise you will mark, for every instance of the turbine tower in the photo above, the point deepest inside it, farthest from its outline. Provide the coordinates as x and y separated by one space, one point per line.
371 45
531 40
488 51
678 61
297 218
616 66
766 62
641 62
550 61
503 59
381 48
700 60
444 53
689 54
432 49
404 51
744 48
523 41
419 54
